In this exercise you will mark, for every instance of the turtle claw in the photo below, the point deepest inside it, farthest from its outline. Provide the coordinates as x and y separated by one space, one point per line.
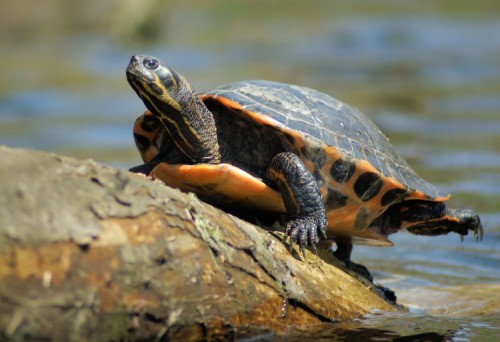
304 231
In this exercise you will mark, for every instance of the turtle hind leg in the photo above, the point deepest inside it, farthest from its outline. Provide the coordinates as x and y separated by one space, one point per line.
435 218
305 211
343 253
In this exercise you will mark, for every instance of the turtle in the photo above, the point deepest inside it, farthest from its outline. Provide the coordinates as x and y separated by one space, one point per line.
286 149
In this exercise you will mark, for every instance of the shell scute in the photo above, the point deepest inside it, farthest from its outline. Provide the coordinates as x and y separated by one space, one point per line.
316 119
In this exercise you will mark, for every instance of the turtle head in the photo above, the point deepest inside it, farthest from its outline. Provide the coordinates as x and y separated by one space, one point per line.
158 85
171 99
431 218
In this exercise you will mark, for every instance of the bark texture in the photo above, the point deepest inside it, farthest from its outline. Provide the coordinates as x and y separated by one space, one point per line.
90 252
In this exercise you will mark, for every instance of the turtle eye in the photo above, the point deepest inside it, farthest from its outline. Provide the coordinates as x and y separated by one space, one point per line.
151 63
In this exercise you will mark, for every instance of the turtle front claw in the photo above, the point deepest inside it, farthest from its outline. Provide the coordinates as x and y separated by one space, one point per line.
306 230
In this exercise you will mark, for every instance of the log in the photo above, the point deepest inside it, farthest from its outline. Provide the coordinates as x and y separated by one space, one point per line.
90 252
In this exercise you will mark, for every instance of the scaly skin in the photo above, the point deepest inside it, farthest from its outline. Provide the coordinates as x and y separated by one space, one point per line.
306 216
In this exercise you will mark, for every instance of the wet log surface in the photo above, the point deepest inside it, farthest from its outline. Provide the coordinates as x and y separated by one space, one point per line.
90 252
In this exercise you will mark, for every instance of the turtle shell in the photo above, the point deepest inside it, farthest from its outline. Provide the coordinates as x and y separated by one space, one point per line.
358 171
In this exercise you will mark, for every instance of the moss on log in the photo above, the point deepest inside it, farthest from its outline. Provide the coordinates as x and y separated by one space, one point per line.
90 252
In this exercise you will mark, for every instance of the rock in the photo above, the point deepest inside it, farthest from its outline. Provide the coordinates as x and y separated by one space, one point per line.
90 252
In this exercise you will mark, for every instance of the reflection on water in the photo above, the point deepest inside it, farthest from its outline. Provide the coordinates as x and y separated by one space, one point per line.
429 79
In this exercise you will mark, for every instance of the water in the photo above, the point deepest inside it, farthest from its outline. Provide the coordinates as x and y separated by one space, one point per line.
429 76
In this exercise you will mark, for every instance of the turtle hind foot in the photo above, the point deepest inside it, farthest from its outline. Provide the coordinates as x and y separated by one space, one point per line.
364 275
343 253
358 269
387 293
471 221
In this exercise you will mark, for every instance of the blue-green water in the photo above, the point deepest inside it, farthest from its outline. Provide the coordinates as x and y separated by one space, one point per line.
427 73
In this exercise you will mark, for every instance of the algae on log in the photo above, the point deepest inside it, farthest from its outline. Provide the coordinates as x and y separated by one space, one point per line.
89 252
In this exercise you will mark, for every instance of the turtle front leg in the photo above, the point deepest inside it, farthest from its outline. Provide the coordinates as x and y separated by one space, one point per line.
305 211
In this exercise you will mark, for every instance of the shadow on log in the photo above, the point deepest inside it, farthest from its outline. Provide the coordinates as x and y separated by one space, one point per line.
89 252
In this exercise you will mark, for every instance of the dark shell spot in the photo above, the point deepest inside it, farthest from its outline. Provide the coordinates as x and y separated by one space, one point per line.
342 170
367 186
392 196
317 155
335 200
142 141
